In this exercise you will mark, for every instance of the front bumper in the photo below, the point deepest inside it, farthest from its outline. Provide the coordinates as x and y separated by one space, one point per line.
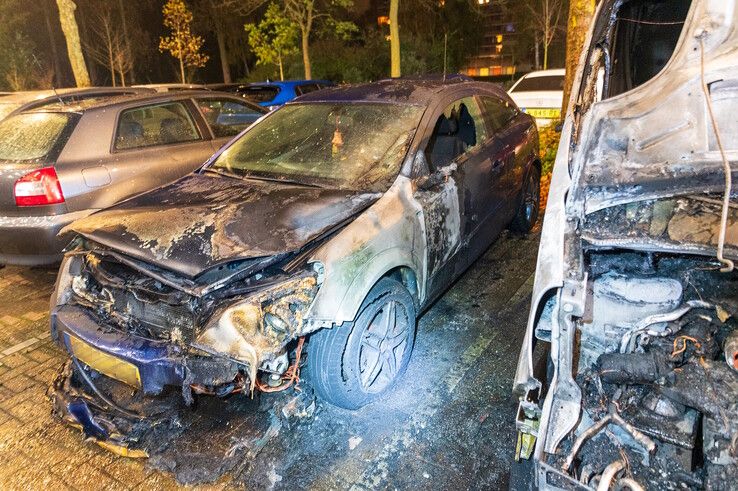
32 240
158 363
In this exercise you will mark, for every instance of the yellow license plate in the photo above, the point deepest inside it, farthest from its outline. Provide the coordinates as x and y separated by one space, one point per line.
104 363
542 113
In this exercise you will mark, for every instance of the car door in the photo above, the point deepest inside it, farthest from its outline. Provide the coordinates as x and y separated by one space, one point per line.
227 117
456 207
152 145
504 125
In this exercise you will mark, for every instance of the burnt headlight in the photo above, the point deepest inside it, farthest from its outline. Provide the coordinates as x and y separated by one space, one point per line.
256 329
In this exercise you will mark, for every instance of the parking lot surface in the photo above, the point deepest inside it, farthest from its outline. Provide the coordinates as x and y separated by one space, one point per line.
448 424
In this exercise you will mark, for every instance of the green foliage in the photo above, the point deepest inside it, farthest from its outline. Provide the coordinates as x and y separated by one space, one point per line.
548 139
274 38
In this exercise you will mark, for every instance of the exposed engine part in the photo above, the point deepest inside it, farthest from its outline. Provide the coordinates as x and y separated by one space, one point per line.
604 327
610 472
666 406
633 368
612 417
627 483
731 350
647 325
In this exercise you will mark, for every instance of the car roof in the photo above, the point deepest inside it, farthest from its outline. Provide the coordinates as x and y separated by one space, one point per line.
173 87
146 97
546 73
287 83
39 95
421 91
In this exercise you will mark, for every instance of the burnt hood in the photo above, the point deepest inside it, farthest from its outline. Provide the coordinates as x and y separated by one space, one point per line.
203 220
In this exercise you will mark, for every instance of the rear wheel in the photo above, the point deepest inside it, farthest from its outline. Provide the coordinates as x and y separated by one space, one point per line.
527 215
355 363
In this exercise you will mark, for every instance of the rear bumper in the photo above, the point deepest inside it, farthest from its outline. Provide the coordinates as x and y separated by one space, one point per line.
33 241
159 363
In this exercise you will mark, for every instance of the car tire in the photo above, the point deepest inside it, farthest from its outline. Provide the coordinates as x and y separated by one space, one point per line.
530 202
355 363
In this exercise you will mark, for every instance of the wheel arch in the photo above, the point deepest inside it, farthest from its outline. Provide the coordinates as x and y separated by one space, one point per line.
395 262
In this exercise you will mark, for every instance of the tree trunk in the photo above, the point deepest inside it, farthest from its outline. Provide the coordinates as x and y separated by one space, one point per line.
181 69
306 54
74 47
580 17
111 61
223 54
54 51
395 70
127 39
281 70
545 55
537 51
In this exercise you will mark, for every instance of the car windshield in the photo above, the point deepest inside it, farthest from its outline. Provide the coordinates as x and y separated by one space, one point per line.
543 83
31 136
357 146
6 109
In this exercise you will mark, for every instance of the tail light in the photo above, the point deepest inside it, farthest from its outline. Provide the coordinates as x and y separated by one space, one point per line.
40 187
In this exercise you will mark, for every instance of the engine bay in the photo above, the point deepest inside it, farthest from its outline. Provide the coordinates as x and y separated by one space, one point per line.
656 363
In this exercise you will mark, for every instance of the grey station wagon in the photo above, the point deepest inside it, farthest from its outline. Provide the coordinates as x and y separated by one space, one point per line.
333 221
62 162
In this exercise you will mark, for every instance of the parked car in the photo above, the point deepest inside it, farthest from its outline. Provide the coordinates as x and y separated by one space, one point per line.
273 94
15 102
338 218
62 162
173 87
540 94
636 289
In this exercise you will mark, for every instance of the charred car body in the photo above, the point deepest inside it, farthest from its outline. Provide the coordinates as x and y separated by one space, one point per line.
635 287
340 216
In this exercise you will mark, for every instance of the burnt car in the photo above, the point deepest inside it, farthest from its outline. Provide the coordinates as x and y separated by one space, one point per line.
636 294
62 161
333 222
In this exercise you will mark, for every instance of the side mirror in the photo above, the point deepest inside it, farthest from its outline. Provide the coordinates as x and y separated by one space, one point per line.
435 178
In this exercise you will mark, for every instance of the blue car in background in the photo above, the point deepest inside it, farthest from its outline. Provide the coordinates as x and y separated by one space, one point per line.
274 94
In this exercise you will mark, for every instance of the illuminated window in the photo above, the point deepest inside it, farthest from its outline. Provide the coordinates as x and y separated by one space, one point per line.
498 48
483 2
383 20
499 38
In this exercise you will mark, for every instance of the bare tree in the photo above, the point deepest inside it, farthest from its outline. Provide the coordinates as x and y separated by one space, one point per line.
543 19
101 48
545 16
74 46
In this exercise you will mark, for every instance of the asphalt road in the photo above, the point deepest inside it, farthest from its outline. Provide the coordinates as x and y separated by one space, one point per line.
448 425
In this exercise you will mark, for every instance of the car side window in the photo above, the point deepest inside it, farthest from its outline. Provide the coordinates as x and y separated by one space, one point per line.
160 124
458 130
227 117
498 113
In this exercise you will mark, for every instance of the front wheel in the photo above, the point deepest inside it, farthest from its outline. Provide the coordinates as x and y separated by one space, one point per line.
353 364
527 214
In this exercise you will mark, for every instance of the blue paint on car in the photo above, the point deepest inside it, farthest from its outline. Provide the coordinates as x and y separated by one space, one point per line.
270 94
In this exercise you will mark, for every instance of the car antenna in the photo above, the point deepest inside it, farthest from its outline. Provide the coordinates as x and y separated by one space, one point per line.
61 101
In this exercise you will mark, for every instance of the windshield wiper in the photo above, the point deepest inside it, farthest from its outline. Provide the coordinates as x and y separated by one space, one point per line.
222 173
283 181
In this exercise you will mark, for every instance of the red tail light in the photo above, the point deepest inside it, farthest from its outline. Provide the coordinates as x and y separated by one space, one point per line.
40 187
